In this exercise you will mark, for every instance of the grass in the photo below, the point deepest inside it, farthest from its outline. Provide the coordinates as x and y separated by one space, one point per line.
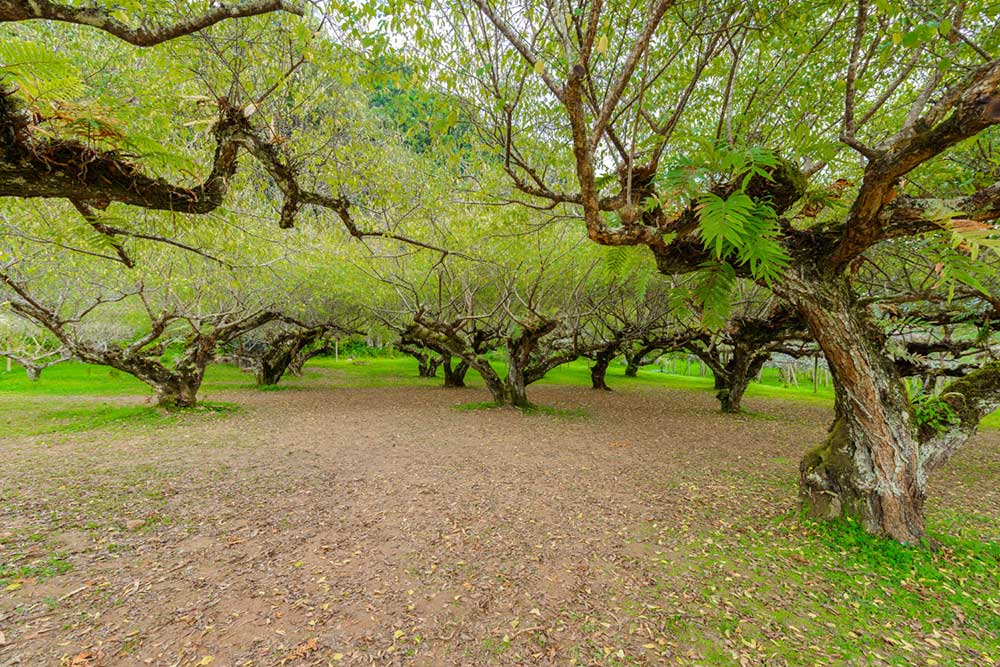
10 574
53 404
33 417
401 371
528 410
774 590
24 414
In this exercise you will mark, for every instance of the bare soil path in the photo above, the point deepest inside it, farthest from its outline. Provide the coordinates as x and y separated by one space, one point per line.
383 526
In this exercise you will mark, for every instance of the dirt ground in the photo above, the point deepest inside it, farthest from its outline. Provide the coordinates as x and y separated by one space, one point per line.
383 526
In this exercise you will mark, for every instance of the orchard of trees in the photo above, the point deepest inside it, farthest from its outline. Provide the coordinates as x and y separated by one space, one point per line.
525 181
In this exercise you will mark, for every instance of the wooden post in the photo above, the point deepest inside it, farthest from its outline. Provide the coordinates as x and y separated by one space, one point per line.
815 374
336 349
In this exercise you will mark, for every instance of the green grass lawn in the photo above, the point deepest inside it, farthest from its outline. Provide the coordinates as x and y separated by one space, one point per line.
373 372
52 404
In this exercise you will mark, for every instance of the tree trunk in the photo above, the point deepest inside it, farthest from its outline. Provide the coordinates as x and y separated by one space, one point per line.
33 372
515 386
427 363
599 370
632 362
743 366
268 373
868 467
496 385
423 368
177 392
454 376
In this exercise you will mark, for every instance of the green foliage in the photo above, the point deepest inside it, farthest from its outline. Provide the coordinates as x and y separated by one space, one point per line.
932 412
425 119
744 231
714 291
37 71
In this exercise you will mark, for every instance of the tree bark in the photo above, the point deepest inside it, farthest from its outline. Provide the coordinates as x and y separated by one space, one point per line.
515 387
599 371
33 372
632 362
868 468
178 392
270 372
743 366
454 376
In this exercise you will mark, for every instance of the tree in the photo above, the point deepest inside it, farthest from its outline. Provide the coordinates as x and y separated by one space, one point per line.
109 20
757 326
198 335
29 347
280 346
728 136
111 159
427 360
530 298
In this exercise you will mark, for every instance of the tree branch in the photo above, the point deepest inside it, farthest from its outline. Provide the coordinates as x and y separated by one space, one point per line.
102 19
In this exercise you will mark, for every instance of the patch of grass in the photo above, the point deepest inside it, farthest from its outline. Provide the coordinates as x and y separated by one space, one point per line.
776 589
991 421
33 417
277 387
478 405
571 413
39 569
566 413
74 378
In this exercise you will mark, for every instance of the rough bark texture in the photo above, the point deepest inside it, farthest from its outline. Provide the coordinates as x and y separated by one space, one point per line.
742 367
869 466
635 358
427 360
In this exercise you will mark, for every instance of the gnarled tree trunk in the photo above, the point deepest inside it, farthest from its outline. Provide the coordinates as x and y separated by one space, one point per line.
634 360
454 376
272 366
178 392
599 370
743 366
868 468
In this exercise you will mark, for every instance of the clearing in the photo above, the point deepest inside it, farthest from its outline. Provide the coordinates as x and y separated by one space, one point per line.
360 518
